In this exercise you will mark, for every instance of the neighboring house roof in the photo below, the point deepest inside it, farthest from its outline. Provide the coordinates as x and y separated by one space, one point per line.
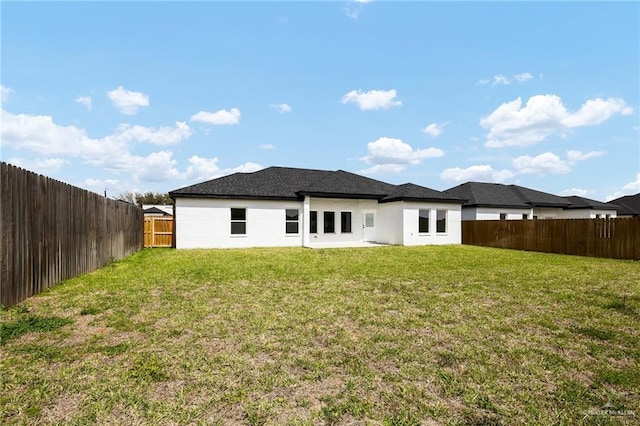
578 202
481 194
159 208
629 205
540 199
155 210
286 183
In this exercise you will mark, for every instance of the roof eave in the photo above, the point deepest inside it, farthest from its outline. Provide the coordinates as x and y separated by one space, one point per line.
234 197
424 199
341 195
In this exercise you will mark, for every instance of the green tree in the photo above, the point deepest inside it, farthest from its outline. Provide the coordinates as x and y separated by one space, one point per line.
146 198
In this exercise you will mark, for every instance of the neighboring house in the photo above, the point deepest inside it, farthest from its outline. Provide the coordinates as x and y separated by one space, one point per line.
495 201
281 206
586 208
628 206
157 210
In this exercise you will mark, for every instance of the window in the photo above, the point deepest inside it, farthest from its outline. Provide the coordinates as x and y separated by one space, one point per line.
503 216
291 221
525 216
329 222
345 222
441 221
423 221
313 222
238 221
368 220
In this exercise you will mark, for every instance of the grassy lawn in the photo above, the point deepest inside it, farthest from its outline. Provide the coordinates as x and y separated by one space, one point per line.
389 335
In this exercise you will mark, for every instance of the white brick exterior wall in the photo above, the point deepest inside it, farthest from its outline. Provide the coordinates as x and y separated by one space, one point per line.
206 223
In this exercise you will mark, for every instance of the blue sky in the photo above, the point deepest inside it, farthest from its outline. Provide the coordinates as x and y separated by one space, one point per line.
153 96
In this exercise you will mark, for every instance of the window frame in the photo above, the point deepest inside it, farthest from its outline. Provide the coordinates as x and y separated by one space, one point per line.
440 220
325 222
288 222
424 220
237 221
313 222
349 222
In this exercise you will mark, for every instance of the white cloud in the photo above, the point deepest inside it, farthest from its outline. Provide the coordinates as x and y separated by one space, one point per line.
484 173
632 187
113 187
201 169
373 99
543 164
5 92
500 79
574 156
112 152
434 129
247 167
353 10
574 191
40 134
383 168
161 136
218 118
511 124
266 146
521 78
391 154
283 108
155 167
126 101
596 111
43 166
85 101
504 80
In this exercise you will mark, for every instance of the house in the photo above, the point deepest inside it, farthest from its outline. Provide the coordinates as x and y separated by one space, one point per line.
156 210
628 206
495 201
586 208
282 206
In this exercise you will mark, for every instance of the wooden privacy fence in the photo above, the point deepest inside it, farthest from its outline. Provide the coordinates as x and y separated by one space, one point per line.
158 231
51 231
617 238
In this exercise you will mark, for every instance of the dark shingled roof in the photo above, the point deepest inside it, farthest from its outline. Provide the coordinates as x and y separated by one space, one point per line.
629 205
410 191
285 183
539 198
481 194
587 203
155 210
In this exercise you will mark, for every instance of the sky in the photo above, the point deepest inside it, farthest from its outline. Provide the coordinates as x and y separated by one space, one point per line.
155 96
